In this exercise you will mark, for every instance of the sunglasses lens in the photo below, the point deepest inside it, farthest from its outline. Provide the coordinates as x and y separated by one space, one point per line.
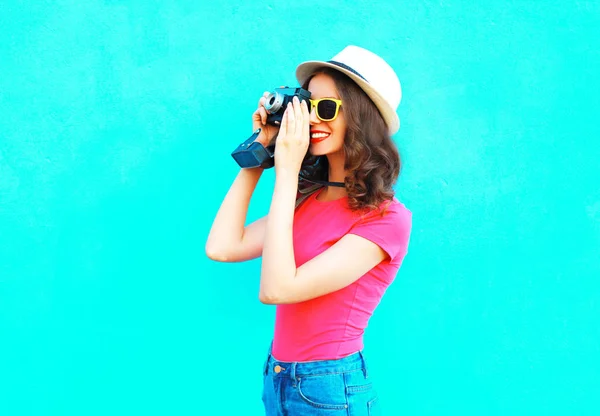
326 109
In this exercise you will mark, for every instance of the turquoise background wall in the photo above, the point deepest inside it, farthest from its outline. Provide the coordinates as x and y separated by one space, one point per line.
117 119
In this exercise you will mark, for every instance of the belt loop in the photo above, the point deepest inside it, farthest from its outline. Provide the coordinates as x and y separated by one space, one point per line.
364 364
293 373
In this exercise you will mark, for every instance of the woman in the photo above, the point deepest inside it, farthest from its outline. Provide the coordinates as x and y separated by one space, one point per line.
327 255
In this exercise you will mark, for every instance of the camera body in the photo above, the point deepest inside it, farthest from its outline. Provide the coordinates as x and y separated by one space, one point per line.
277 101
252 154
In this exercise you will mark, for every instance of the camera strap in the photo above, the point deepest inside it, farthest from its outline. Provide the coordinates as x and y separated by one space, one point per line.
325 183
309 190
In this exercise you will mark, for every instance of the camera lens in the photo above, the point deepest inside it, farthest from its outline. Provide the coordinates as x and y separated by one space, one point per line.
273 102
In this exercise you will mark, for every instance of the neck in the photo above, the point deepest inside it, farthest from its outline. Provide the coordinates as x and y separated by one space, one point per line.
336 174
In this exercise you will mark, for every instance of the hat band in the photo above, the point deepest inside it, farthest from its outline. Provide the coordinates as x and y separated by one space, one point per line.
346 67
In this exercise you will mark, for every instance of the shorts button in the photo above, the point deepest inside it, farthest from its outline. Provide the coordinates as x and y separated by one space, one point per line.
278 369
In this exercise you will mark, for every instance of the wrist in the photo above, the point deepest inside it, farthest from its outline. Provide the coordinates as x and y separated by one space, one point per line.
286 181
257 171
285 174
249 176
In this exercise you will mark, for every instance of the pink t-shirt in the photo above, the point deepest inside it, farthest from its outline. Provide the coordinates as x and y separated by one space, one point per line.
332 326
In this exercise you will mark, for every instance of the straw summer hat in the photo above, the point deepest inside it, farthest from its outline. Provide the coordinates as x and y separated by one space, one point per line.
375 76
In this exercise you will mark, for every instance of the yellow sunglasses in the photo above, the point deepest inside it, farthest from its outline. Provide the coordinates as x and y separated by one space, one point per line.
327 108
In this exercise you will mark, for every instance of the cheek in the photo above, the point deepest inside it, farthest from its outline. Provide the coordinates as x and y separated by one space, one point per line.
338 141
339 138
340 133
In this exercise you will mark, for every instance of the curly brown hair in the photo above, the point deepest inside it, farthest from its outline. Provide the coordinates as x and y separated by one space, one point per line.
371 156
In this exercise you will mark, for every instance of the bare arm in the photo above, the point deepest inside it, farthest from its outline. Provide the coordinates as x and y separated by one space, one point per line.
229 239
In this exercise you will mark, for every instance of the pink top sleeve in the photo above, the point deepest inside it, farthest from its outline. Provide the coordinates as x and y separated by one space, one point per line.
391 231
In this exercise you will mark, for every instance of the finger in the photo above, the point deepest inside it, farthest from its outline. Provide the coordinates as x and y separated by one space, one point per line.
306 124
291 120
266 93
256 116
283 126
263 115
261 100
298 116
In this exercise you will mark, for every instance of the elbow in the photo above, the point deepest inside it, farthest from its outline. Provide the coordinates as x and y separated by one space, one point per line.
215 254
268 296
274 296
276 290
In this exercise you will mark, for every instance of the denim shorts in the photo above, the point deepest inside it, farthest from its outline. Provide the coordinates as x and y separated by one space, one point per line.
328 387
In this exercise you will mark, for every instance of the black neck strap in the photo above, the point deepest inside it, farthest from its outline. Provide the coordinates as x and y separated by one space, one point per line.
338 184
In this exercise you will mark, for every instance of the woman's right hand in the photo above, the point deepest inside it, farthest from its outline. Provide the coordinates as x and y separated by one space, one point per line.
259 121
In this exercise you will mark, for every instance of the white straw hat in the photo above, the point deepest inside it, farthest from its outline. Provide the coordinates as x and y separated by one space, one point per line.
375 76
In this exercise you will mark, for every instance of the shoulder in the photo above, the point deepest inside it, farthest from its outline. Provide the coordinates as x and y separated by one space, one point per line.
400 212
389 226
391 212
395 207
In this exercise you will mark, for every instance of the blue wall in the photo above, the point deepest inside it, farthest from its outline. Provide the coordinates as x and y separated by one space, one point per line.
116 123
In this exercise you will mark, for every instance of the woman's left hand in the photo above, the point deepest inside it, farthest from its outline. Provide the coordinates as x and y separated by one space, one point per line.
294 136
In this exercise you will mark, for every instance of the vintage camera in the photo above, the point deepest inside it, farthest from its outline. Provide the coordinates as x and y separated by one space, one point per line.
251 154
277 102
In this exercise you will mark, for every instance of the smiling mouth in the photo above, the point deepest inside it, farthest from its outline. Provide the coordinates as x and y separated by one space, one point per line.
317 137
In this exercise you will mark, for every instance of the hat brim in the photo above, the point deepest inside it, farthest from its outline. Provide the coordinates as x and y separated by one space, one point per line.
306 69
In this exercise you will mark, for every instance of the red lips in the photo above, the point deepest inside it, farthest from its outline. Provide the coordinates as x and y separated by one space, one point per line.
321 135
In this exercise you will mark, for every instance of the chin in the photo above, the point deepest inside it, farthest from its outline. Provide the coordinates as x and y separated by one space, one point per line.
321 149
315 151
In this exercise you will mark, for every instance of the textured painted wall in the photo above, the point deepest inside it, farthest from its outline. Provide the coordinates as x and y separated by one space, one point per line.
116 123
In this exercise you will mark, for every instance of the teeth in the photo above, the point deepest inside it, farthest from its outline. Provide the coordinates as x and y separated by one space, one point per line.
319 135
